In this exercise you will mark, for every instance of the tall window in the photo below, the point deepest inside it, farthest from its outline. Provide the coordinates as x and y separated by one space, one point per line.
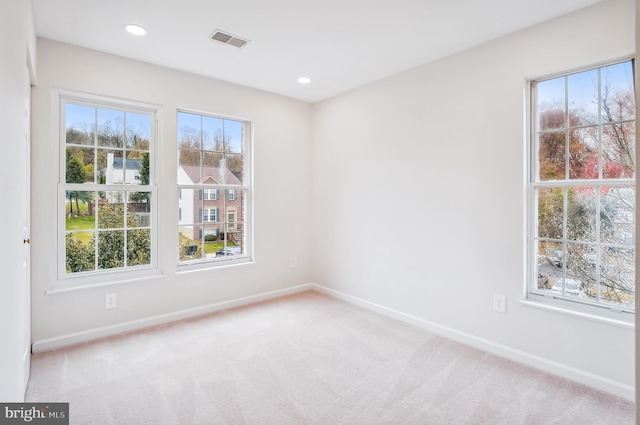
582 187
213 177
106 197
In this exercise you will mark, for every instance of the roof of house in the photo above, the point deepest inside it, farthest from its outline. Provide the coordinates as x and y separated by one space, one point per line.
211 175
132 164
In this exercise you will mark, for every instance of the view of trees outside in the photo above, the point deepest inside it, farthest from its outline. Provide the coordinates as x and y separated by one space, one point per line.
107 225
585 185
211 210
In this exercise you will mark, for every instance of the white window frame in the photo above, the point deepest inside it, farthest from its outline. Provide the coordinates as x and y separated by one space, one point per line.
604 313
246 186
91 278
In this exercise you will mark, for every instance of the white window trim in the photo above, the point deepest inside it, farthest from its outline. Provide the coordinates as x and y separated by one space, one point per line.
248 257
606 313
70 282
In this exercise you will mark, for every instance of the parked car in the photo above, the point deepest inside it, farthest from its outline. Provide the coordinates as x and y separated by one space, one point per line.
230 250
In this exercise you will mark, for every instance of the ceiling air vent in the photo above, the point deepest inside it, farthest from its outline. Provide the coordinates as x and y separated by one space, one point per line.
226 38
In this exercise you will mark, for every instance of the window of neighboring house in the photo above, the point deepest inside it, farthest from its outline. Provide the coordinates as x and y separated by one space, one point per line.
210 194
582 188
213 177
107 188
209 215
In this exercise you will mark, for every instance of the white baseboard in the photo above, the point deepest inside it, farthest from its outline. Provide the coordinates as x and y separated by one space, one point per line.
549 366
568 372
93 334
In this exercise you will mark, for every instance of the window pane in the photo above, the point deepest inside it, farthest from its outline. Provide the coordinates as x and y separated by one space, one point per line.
189 203
618 103
235 165
234 236
139 209
213 239
189 134
79 210
212 167
110 249
233 136
617 277
79 165
111 214
189 246
110 128
550 212
581 214
552 154
617 218
138 131
618 150
582 268
79 252
583 98
189 158
212 133
80 124
138 247
549 263
551 104
141 167
110 167
583 153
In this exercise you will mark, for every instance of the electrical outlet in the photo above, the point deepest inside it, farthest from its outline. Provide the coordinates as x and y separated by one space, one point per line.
294 262
499 303
109 301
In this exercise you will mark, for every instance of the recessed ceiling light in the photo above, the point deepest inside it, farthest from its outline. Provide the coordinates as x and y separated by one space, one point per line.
135 29
304 80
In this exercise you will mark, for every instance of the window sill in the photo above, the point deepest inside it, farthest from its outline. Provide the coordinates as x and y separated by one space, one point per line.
213 265
573 309
73 284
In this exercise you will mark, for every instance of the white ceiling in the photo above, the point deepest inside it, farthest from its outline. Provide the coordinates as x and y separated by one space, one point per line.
339 44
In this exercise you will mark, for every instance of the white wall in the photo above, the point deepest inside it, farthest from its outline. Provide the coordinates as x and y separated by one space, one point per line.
17 48
418 192
282 198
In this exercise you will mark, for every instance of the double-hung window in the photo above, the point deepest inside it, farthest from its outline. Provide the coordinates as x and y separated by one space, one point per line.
214 182
106 197
582 188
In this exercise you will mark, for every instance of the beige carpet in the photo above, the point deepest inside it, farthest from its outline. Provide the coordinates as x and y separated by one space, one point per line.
305 359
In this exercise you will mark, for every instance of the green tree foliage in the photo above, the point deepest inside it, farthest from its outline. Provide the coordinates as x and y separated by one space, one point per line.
144 180
111 243
80 257
75 173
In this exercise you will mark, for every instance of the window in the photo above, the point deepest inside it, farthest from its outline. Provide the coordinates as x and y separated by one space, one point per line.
210 194
213 178
209 215
107 192
582 187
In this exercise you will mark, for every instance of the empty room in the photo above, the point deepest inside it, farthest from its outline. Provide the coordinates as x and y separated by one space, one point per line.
296 212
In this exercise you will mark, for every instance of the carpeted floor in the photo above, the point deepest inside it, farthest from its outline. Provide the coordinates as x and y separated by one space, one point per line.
305 359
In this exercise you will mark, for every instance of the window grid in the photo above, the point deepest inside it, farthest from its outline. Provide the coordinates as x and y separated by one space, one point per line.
214 166
554 263
106 189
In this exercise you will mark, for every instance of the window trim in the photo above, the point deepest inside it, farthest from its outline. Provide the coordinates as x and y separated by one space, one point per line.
603 313
93 278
